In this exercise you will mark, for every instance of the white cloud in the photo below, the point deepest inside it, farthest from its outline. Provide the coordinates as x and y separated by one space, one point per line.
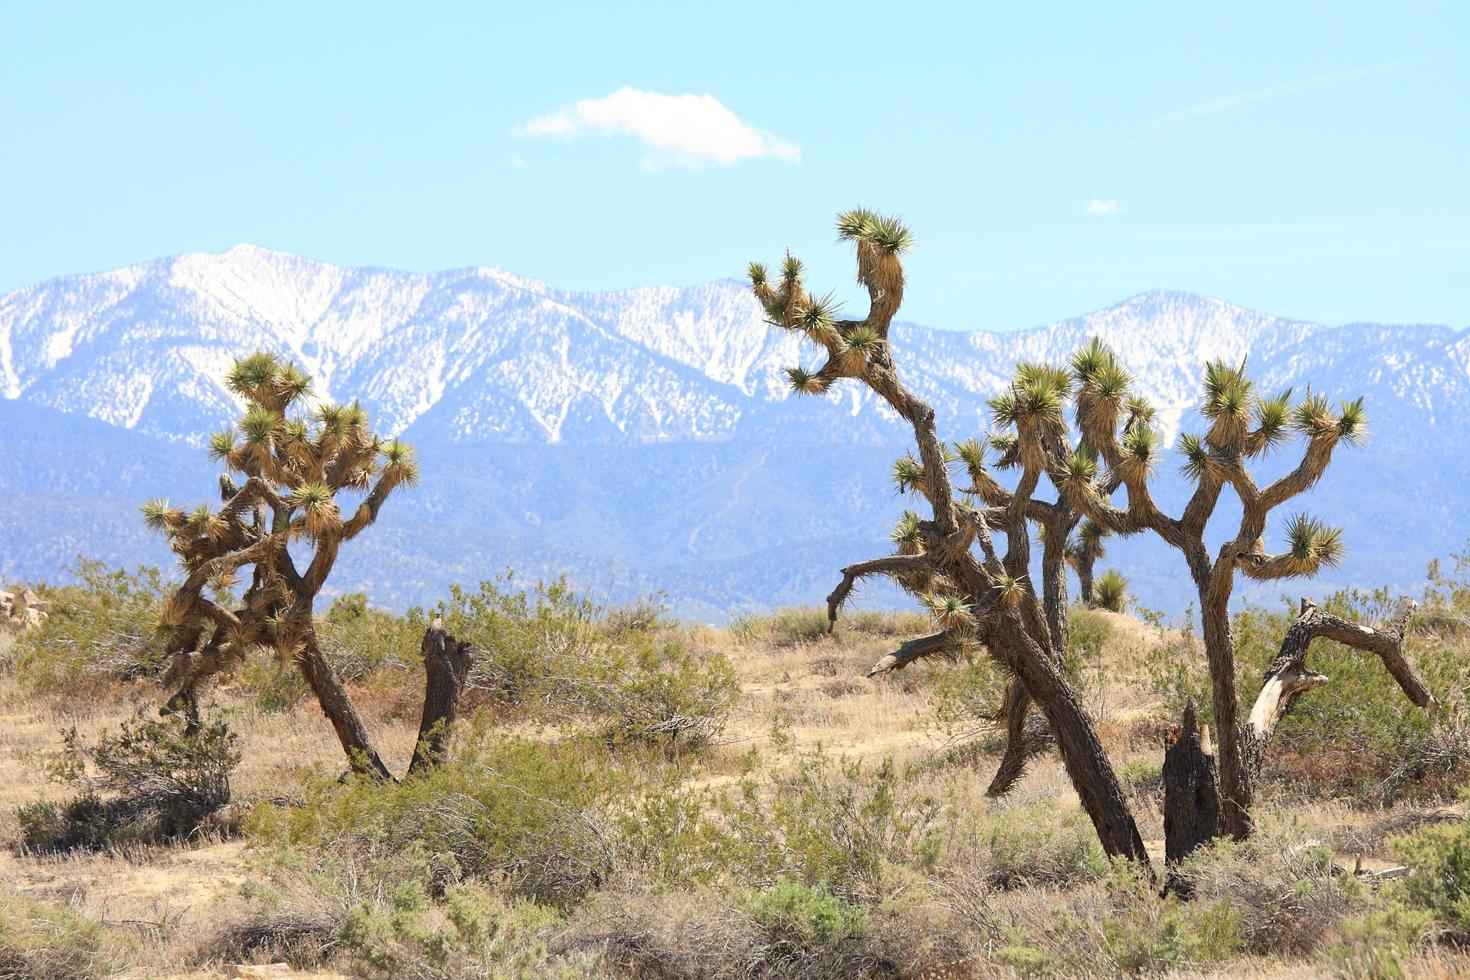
1096 206
678 130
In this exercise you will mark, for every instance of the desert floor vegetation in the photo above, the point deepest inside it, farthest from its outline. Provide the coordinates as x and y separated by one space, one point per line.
628 795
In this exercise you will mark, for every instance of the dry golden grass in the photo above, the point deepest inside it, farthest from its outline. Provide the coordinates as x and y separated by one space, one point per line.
801 694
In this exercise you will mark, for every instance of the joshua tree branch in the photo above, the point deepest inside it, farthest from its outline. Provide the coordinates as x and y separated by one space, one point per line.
911 650
1288 677
894 565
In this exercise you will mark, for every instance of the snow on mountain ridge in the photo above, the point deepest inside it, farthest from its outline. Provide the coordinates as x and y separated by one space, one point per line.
480 353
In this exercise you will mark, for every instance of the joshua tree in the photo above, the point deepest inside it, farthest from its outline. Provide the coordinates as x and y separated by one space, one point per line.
1242 426
1033 440
285 524
979 599
1083 553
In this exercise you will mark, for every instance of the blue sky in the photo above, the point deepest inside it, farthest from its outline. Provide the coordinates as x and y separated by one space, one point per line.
1305 159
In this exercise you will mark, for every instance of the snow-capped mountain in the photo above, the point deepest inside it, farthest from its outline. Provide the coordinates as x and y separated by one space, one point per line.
653 427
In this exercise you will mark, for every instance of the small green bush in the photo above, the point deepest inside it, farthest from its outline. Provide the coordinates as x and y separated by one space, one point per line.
806 914
471 932
101 628
634 675
1040 845
360 640
533 813
162 781
1153 937
785 627
1439 880
1375 944
41 941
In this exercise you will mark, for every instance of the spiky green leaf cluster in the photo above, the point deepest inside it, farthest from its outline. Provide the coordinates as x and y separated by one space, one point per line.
790 269
816 316
885 232
1110 592
972 453
907 534
1313 544
258 425
309 496
1273 416
1096 369
862 340
158 515
908 473
1227 392
1352 421
952 612
1312 417
1196 456
805 382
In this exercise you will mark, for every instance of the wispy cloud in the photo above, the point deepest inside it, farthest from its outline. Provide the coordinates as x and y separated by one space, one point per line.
1096 206
1270 92
678 130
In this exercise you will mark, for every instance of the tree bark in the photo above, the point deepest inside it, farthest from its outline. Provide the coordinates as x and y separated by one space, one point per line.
339 710
1023 742
1084 581
1288 676
1191 790
446 667
1082 753
1236 791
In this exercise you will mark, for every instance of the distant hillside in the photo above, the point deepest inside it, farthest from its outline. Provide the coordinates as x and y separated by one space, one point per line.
640 440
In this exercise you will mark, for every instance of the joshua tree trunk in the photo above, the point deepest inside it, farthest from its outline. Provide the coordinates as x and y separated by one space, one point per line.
1082 753
1195 802
1054 587
446 667
338 708
1236 792
1024 742
1084 583
1191 791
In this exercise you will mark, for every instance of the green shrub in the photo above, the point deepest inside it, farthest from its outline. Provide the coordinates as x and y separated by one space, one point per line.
1374 945
360 640
785 627
41 941
635 676
522 639
1157 936
967 696
1439 880
1111 591
536 814
472 932
1288 893
1039 844
162 781
654 688
833 823
806 914
102 628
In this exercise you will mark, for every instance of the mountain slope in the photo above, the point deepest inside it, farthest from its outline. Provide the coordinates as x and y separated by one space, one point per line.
638 440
